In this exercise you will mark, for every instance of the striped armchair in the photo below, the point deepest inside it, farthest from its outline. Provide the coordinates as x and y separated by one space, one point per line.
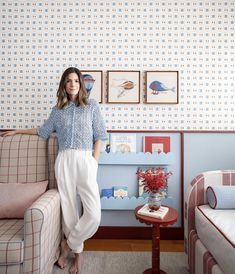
30 245
208 243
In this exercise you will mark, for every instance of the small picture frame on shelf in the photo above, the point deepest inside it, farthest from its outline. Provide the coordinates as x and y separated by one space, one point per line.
123 87
156 144
123 142
162 87
93 80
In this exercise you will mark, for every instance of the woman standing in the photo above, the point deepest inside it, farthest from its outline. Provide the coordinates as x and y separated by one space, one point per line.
80 130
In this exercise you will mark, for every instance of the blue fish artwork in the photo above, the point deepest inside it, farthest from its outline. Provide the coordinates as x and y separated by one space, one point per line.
157 87
89 82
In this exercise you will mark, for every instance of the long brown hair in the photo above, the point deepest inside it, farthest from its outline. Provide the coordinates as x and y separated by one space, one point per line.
62 96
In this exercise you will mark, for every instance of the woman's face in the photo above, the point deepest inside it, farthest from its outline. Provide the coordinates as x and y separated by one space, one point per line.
72 85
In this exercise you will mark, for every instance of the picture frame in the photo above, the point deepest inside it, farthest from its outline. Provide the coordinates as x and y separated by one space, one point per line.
93 80
123 86
162 87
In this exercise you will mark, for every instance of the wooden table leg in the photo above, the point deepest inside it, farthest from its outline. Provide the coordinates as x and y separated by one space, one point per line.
155 252
149 271
156 249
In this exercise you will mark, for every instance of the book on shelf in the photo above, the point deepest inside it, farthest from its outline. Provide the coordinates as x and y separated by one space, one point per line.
105 147
159 214
107 192
123 142
120 191
156 144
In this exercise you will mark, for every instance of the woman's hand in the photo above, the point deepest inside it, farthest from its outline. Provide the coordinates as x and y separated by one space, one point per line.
97 147
31 131
8 133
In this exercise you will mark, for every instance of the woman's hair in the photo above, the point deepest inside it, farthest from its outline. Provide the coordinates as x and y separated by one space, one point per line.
62 96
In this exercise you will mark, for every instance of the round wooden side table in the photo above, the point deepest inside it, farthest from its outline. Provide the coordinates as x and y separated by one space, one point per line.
169 219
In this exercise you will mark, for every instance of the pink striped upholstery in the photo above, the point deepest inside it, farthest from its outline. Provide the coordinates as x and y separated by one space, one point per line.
196 195
30 245
40 242
23 159
52 154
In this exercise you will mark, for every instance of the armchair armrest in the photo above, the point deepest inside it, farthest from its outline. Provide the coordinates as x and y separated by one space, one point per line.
42 233
196 195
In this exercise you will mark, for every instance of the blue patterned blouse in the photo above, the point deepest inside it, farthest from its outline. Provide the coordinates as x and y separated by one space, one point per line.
77 127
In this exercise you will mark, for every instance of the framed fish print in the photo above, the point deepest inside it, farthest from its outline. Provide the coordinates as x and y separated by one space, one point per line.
93 80
123 87
162 87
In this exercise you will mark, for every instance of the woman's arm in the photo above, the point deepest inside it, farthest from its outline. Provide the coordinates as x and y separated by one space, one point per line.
31 131
97 147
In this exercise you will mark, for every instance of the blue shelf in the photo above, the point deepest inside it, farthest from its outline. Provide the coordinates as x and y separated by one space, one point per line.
139 158
127 203
132 159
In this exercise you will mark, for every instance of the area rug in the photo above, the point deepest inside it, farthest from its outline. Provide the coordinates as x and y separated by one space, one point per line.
104 262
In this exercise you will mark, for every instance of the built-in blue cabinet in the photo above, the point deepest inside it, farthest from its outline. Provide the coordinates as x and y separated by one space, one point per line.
119 169
139 159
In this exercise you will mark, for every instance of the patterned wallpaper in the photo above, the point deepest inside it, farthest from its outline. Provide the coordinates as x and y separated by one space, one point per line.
39 39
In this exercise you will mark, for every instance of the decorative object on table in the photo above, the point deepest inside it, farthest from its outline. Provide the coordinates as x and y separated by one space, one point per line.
154 180
120 191
123 87
154 201
107 192
156 144
93 80
160 213
123 142
162 87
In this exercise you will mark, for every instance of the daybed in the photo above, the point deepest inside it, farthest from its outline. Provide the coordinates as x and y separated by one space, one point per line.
209 233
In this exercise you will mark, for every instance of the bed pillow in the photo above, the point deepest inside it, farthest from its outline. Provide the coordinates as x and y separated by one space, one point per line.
221 197
15 198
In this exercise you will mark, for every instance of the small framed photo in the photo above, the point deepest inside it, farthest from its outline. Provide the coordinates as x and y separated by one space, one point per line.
93 80
162 87
123 87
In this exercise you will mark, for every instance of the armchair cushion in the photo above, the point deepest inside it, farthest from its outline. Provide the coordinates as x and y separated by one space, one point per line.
221 197
11 241
15 198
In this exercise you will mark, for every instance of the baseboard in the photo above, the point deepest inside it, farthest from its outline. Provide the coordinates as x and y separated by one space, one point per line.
138 233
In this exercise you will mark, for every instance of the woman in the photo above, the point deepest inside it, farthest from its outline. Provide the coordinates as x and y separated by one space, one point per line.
80 129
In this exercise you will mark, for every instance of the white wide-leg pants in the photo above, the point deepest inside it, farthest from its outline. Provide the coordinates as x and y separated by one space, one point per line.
76 172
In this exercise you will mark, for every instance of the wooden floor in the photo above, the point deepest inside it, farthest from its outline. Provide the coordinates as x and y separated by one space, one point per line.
132 245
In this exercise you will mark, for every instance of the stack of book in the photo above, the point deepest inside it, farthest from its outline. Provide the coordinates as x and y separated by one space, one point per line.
160 213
